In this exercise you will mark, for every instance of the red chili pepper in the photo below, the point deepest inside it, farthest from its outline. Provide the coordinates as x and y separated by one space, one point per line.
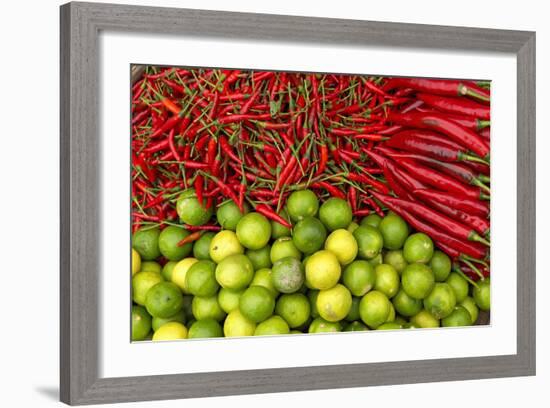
332 190
406 180
456 170
202 227
227 191
472 249
371 181
172 145
447 225
272 215
374 206
198 184
285 173
190 238
323 159
461 203
470 140
228 149
456 105
362 213
437 86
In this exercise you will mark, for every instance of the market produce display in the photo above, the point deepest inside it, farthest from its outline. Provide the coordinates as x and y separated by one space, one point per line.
267 203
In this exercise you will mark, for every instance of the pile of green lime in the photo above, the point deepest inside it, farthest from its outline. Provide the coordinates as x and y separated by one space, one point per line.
329 273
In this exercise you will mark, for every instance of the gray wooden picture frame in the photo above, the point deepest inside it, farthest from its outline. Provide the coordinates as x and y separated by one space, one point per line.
80 236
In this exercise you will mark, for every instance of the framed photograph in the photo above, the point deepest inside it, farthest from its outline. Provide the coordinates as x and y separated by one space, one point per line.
261 203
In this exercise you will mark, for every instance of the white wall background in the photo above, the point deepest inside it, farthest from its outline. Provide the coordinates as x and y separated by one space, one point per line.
29 200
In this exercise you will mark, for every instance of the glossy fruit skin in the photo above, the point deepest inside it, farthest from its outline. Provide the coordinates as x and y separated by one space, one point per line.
335 213
459 317
207 328
164 300
253 231
275 325
229 215
294 308
301 204
394 231
322 270
256 304
359 277
189 209
168 243
145 242
387 280
309 235
417 280
441 266
441 300
460 286
470 305
141 323
418 247
482 294
406 305
369 241
374 309
335 303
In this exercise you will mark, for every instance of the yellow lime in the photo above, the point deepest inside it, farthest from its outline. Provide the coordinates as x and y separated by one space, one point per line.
236 325
141 283
272 326
136 262
170 331
224 244
235 272
335 303
323 270
342 244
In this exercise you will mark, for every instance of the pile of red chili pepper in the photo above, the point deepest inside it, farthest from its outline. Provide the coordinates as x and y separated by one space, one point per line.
418 147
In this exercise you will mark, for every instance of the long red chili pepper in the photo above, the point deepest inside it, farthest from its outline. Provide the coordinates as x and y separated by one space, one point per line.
424 212
439 180
461 203
272 215
469 139
190 238
456 105
332 190
438 87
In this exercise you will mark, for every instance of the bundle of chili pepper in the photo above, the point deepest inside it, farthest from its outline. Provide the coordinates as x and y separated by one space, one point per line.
416 146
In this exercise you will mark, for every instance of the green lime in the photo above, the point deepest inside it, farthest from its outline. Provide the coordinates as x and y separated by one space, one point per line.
374 309
406 305
470 305
418 248
146 242
178 317
167 270
482 294
352 227
323 270
272 326
459 317
441 266
190 210
369 241
170 331
279 230
372 219
256 304
400 320
207 308
342 244
179 273
359 277
394 230
312 296
224 244
282 248
287 275
259 257
201 247
229 215
353 313
424 319
164 300
254 231
459 285
417 280
301 204
235 272
387 280
335 213
309 235
334 304
141 283
203 329
236 325
168 243
151 266
263 277
320 325
294 308
356 326
141 323
228 299
441 300
136 262
389 326
200 279
396 259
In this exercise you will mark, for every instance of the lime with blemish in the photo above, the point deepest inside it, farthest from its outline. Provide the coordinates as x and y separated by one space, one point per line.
190 211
